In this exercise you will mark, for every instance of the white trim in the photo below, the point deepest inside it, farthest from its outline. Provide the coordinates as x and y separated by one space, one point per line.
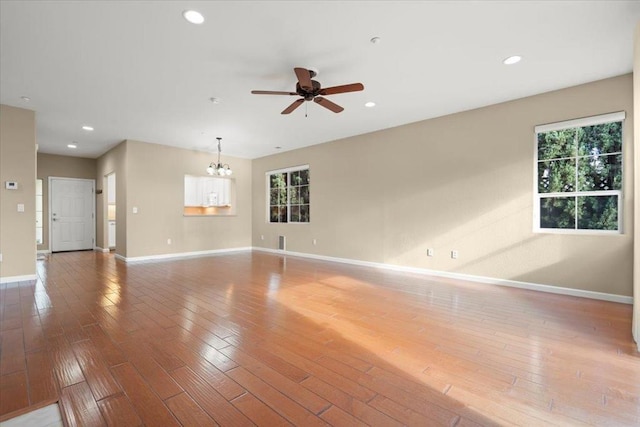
290 169
468 277
12 279
43 251
582 194
46 416
99 249
182 255
584 121
578 231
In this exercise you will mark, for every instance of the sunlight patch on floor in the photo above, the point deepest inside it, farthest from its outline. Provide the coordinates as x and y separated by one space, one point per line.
487 402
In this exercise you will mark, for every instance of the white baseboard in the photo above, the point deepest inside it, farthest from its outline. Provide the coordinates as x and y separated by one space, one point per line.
99 249
181 255
49 415
12 279
471 278
43 251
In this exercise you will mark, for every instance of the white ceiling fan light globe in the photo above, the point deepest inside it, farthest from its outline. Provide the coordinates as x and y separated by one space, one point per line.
229 172
210 170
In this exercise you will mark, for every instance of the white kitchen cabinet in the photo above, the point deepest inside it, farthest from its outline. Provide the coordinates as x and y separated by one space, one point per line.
209 196
192 191
207 191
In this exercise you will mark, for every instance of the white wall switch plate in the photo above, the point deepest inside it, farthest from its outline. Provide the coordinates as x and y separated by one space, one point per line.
20 207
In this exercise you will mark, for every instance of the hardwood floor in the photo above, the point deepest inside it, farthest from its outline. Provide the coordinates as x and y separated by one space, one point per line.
257 339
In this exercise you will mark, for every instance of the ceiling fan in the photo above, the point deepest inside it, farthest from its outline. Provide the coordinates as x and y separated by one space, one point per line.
311 90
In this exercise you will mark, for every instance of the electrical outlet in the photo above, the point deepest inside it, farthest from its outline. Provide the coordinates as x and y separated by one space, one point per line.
454 254
262 237
430 252
134 210
168 241
315 242
0 257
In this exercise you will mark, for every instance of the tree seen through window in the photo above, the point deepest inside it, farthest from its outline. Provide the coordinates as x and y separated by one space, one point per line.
579 177
289 197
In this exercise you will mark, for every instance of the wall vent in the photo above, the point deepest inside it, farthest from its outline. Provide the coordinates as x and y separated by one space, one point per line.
282 243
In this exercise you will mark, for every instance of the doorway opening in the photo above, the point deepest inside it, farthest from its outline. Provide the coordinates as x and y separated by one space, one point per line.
111 211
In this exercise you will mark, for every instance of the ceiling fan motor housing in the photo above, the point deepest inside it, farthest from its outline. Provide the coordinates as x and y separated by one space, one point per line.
308 95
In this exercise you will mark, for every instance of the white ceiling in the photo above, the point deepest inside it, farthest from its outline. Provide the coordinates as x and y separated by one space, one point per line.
138 70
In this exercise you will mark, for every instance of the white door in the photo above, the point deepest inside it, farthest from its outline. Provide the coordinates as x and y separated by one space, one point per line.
112 234
72 214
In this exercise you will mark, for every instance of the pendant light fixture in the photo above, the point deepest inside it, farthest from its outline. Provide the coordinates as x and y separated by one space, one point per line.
219 168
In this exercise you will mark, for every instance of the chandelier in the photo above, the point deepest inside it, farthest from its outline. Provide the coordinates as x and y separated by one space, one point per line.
219 168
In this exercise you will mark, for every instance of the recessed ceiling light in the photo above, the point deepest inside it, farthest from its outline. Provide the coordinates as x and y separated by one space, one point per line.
370 104
25 98
87 128
193 16
73 145
512 60
375 40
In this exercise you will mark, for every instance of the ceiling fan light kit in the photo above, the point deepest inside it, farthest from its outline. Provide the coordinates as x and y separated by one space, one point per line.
311 90
219 168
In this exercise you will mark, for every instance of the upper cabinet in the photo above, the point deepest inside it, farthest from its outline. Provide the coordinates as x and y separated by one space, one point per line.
209 195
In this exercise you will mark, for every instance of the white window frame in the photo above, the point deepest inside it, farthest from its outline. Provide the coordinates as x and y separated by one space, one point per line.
569 124
268 194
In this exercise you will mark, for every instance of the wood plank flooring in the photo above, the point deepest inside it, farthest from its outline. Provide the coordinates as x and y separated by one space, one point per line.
259 339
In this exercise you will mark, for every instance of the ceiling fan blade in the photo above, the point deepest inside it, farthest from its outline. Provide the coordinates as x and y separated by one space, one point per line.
304 78
293 106
353 87
328 104
271 92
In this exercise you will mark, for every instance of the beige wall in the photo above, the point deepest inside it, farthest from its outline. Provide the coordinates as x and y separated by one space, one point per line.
636 138
17 163
114 161
463 182
155 186
51 165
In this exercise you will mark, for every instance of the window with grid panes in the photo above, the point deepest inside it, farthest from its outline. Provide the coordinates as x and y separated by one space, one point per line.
288 195
579 175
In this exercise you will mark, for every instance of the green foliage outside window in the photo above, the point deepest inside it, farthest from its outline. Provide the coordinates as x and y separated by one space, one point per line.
572 162
289 196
